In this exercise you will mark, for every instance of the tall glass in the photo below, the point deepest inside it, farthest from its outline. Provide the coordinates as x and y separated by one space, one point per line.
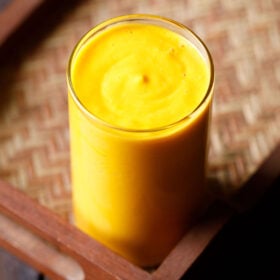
135 190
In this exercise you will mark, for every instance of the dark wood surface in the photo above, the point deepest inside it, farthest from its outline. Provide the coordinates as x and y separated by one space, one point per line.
248 247
13 13
12 268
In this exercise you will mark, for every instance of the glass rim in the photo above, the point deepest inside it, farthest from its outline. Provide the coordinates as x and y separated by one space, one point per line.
134 17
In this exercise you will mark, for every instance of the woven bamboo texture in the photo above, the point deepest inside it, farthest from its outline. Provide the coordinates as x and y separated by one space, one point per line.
244 39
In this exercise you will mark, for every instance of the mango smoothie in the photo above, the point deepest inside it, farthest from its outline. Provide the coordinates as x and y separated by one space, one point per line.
140 90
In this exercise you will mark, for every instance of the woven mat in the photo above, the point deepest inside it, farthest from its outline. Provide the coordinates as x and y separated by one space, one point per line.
244 39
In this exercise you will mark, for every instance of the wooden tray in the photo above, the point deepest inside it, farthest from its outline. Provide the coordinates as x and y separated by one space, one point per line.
55 247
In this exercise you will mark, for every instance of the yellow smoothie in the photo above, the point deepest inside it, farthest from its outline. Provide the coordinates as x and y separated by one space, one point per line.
139 109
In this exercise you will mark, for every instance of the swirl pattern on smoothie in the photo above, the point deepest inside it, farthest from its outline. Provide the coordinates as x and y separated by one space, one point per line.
143 82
